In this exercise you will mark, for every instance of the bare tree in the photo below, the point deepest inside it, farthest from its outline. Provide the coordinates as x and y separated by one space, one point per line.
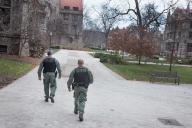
92 36
106 19
145 18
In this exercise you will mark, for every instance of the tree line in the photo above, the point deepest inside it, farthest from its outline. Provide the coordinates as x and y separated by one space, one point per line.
140 37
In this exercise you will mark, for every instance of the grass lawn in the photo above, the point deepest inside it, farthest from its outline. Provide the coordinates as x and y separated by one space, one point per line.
92 54
142 72
100 51
13 69
55 50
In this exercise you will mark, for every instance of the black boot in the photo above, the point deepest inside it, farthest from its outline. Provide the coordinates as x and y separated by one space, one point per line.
76 112
46 100
51 97
81 117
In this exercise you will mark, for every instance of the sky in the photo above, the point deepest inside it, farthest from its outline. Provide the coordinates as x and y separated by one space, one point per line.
96 3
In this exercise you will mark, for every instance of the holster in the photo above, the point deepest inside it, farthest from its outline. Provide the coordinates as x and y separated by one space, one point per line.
86 85
55 74
73 86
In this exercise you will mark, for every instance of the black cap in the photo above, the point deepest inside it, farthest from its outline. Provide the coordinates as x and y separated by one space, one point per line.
49 53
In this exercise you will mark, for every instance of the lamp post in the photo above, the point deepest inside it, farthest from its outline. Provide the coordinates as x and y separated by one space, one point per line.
50 40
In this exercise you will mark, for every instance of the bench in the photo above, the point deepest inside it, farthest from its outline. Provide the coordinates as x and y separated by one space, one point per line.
164 75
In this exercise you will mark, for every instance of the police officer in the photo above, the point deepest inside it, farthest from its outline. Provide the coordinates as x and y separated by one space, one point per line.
80 78
49 65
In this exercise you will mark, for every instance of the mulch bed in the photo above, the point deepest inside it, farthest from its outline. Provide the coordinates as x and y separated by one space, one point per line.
4 80
30 60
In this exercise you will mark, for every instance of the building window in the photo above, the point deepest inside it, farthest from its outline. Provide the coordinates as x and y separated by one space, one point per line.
7 3
65 26
74 29
75 18
177 46
5 16
75 8
189 47
66 16
179 35
3 48
190 34
175 26
168 46
176 15
190 14
66 7
70 39
167 35
191 24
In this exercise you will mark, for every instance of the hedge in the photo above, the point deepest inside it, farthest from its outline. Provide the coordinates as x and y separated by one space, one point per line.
111 59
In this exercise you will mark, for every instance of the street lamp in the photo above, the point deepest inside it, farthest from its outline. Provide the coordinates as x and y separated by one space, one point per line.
50 40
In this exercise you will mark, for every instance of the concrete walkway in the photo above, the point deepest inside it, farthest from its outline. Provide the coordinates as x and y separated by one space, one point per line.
112 101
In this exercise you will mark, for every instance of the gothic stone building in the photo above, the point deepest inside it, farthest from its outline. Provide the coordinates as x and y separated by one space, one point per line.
20 22
69 23
178 33
23 21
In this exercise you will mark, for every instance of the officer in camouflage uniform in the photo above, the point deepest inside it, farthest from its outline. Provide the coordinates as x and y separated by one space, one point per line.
80 78
49 66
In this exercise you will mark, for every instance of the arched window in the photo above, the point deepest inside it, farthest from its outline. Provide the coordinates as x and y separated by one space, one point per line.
7 3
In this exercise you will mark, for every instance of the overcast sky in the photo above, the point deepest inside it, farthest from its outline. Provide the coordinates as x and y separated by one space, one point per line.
96 3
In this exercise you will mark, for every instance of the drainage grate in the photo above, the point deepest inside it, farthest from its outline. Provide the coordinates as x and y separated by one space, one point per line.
168 121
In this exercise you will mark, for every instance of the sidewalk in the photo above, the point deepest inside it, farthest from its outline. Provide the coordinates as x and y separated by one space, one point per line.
113 102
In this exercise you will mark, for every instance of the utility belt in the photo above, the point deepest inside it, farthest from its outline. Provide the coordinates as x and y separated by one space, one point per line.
53 72
86 85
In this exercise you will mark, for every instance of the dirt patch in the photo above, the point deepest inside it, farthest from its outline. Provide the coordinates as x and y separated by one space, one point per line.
4 80
30 60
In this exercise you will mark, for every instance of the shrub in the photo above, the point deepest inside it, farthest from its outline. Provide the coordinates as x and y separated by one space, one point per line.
97 48
98 55
123 62
106 58
55 47
111 59
155 57
190 61
69 47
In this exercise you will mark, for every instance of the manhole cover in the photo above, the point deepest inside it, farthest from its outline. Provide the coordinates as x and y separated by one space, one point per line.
167 121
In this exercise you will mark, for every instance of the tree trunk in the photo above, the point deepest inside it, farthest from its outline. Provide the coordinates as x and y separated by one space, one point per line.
139 59
172 50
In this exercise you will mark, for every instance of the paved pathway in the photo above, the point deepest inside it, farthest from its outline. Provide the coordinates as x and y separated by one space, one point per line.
112 101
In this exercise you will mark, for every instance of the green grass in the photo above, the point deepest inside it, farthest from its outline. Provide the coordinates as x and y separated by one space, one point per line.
55 50
92 54
102 51
13 69
142 72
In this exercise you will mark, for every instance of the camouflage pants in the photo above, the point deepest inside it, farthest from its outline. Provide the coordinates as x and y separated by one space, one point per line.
80 95
49 81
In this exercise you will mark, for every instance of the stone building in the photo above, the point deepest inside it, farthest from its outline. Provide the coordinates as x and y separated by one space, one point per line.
178 33
28 27
69 23
21 24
